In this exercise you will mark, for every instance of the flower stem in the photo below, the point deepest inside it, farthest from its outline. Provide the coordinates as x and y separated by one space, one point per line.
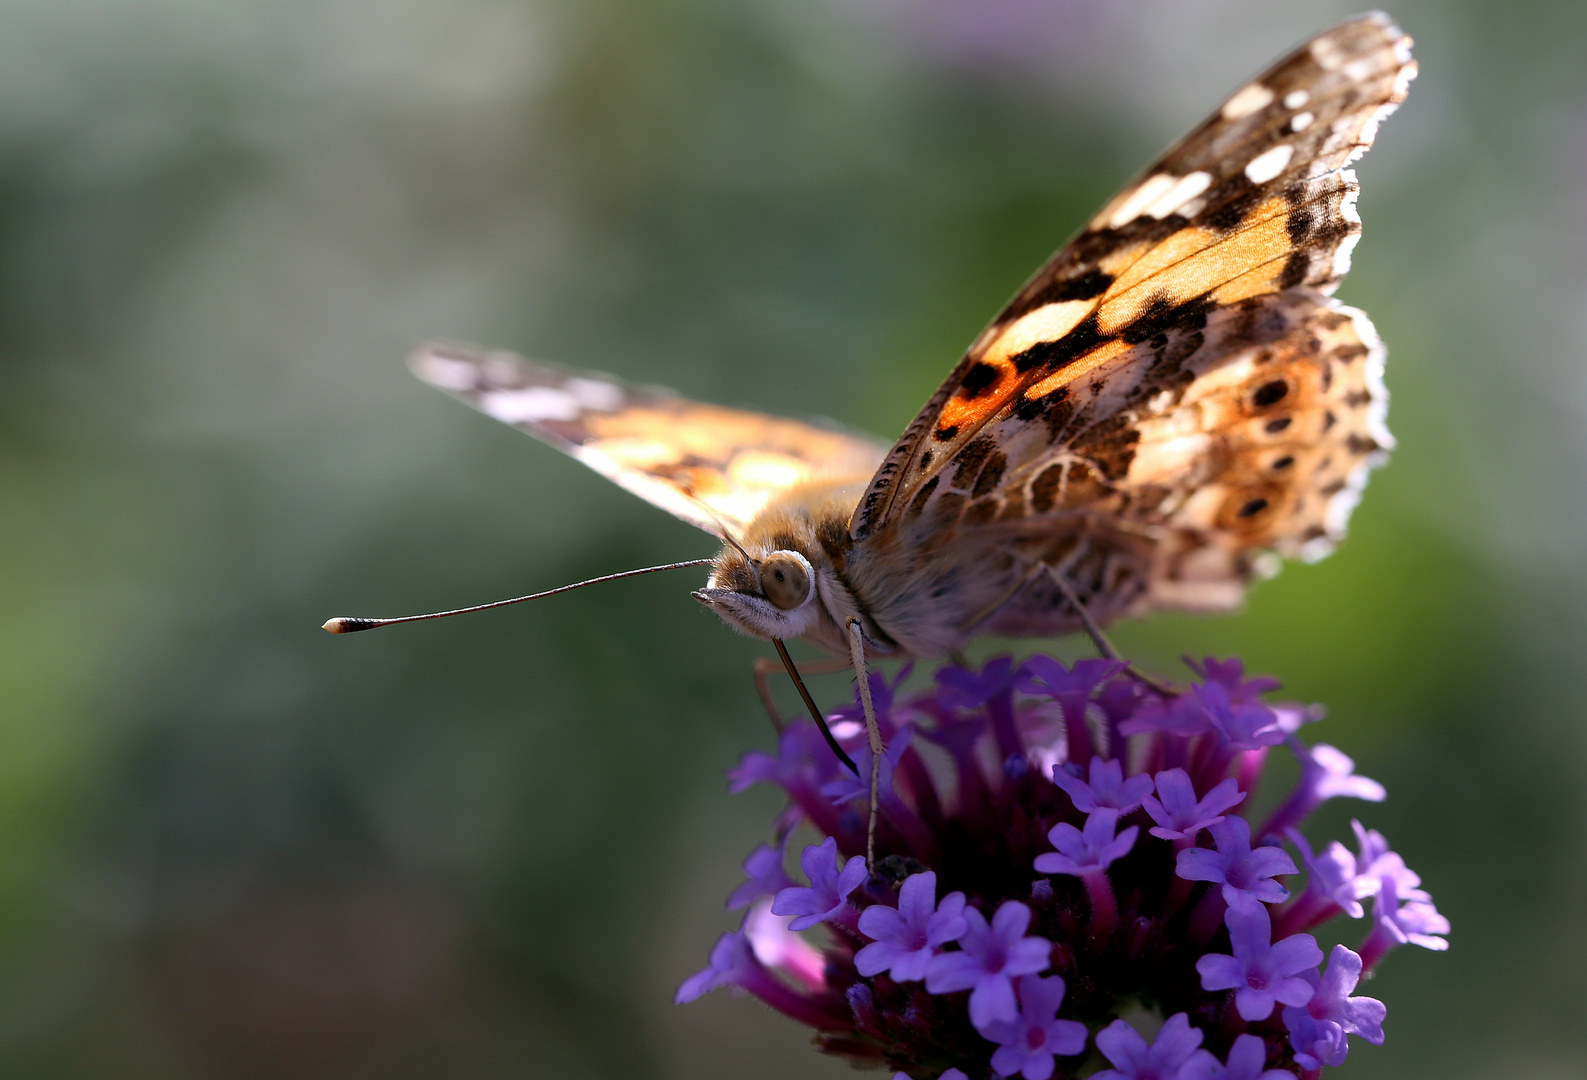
1104 906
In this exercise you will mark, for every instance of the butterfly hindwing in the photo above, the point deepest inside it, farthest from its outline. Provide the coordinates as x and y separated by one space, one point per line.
1255 203
714 467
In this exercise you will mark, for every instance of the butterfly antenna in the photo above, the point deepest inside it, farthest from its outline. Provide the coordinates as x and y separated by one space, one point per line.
727 535
810 703
344 625
723 530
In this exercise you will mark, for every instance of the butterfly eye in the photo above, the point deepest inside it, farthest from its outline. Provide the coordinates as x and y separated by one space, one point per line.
785 579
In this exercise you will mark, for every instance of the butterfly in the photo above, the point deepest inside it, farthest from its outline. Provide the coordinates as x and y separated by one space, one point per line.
1170 404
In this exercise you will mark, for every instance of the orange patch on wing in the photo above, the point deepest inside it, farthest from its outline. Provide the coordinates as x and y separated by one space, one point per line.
1187 265
961 413
1178 247
1263 279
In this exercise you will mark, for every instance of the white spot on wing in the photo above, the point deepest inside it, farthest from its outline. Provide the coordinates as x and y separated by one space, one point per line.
1347 210
1326 51
445 372
1301 122
502 369
1150 190
1269 164
1246 101
1047 323
1296 98
1184 191
531 405
595 395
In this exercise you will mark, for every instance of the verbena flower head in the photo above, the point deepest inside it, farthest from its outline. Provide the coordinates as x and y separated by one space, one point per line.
1059 845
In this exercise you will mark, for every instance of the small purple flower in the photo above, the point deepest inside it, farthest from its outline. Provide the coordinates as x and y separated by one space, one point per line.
1107 789
1230 676
1030 1042
1317 1029
1133 1059
1089 852
1119 699
993 687
1066 685
778 947
1178 815
829 886
965 689
1415 922
1331 774
735 963
1182 715
1293 716
731 960
1247 1057
1377 864
991 957
1247 725
1071 688
850 786
801 755
883 694
1260 972
1331 875
766 876
908 936
1236 866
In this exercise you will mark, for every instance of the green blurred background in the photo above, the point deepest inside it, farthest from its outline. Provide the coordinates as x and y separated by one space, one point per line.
232 846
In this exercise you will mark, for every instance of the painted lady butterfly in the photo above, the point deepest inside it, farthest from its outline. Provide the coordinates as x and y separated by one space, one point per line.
1170 400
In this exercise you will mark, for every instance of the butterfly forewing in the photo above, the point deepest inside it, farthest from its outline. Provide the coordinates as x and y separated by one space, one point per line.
714 467
1255 203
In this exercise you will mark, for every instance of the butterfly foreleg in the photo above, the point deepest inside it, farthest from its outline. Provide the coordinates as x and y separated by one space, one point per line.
873 732
1094 630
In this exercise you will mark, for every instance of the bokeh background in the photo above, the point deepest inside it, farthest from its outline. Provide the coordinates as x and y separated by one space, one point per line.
234 847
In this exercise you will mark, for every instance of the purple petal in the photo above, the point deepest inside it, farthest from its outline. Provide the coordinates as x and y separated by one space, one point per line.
1124 1047
1078 790
766 876
730 957
878 957
952 971
1253 1004
1010 921
992 999
949 923
1220 971
1296 953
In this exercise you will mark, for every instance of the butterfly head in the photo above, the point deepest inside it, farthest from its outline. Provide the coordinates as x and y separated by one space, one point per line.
772 596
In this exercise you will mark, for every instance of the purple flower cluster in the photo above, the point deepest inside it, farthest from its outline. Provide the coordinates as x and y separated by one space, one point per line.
1059 845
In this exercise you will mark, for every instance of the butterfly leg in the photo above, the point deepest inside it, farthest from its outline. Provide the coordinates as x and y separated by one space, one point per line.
972 623
765 666
1094 631
873 733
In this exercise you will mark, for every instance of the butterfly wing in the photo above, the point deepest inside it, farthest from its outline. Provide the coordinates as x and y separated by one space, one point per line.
1247 223
711 466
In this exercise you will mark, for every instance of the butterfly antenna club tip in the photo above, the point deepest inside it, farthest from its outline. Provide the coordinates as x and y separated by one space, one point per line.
343 625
